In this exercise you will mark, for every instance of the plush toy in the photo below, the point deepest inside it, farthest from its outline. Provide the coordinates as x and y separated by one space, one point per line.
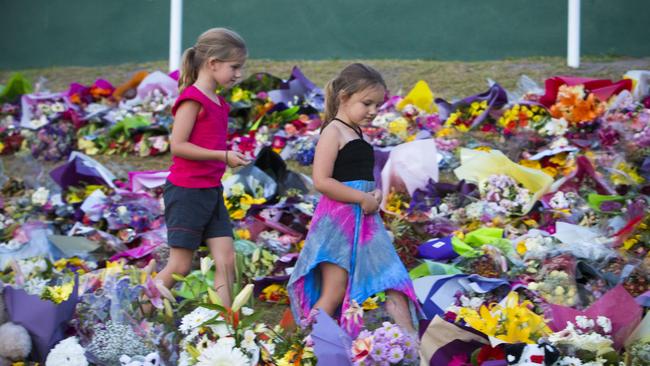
151 359
522 354
15 342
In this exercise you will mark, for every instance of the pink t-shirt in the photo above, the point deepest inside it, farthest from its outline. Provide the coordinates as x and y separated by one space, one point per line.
210 131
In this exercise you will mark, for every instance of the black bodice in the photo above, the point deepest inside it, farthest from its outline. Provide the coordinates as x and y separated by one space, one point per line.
355 161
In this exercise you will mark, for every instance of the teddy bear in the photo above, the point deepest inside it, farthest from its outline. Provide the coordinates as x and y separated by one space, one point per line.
15 341
522 354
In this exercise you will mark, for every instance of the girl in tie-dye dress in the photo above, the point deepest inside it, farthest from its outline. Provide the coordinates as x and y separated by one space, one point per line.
348 255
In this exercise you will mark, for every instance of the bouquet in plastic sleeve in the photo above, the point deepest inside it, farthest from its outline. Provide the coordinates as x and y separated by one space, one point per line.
472 111
556 282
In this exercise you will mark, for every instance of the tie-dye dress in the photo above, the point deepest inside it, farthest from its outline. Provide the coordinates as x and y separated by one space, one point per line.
341 234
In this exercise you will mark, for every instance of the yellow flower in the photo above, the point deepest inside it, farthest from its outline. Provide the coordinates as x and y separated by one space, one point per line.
58 294
237 94
483 320
628 175
521 248
2 147
87 146
531 164
238 214
246 200
395 203
243 234
113 268
398 127
444 132
370 304
559 159
550 171
483 148
514 322
629 243
530 223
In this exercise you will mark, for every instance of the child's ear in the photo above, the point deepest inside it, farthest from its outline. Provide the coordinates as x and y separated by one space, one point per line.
343 96
213 63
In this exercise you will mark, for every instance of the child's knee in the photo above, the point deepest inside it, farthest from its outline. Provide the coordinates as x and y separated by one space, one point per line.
182 269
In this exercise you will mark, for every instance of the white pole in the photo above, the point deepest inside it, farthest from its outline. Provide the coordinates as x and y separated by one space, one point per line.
175 34
573 36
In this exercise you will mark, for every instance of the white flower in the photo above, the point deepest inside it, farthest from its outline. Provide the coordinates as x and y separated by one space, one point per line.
40 196
249 341
227 342
559 201
555 127
220 329
246 311
67 352
269 346
194 319
604 323
584 322
222 355
184 359
206 264
236 190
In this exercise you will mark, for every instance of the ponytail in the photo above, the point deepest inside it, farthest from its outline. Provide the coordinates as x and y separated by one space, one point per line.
189 69
331 103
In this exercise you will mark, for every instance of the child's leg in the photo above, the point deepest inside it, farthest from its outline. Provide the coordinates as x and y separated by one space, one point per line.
179 262
398 308
223 253
334 283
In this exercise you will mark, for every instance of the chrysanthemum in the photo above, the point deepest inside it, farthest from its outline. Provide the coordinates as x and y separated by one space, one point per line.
194 319
222 355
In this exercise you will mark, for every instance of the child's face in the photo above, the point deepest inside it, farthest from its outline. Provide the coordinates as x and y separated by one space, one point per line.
361 107
227 73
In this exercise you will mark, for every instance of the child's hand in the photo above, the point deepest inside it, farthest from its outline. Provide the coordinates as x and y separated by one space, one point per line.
377 194
235 159
369 203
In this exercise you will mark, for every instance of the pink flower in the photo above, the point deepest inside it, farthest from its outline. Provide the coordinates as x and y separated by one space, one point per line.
361 349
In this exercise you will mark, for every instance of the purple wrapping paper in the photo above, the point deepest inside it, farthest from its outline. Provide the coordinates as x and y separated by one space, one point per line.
331 343
299 87
45 321
77 170
496 97
437 249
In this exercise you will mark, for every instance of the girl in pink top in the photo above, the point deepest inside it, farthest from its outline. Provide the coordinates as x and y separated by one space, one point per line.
194 206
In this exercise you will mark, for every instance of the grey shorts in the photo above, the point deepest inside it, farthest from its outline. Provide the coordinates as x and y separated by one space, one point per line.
193 215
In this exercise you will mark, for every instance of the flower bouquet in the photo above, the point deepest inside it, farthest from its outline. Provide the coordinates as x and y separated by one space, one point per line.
586 340
214 333
472 111
238 202
503 183
504 195
510 321
556 282
387 344
522 116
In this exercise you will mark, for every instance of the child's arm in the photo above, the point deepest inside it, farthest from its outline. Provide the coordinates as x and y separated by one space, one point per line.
326 151
179 140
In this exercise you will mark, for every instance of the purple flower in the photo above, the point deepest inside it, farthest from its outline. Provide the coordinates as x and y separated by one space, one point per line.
395 355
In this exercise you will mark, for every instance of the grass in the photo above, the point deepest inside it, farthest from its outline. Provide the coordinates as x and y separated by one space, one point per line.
448 79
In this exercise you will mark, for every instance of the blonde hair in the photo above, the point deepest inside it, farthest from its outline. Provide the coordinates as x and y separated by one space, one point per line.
352 79
220 43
